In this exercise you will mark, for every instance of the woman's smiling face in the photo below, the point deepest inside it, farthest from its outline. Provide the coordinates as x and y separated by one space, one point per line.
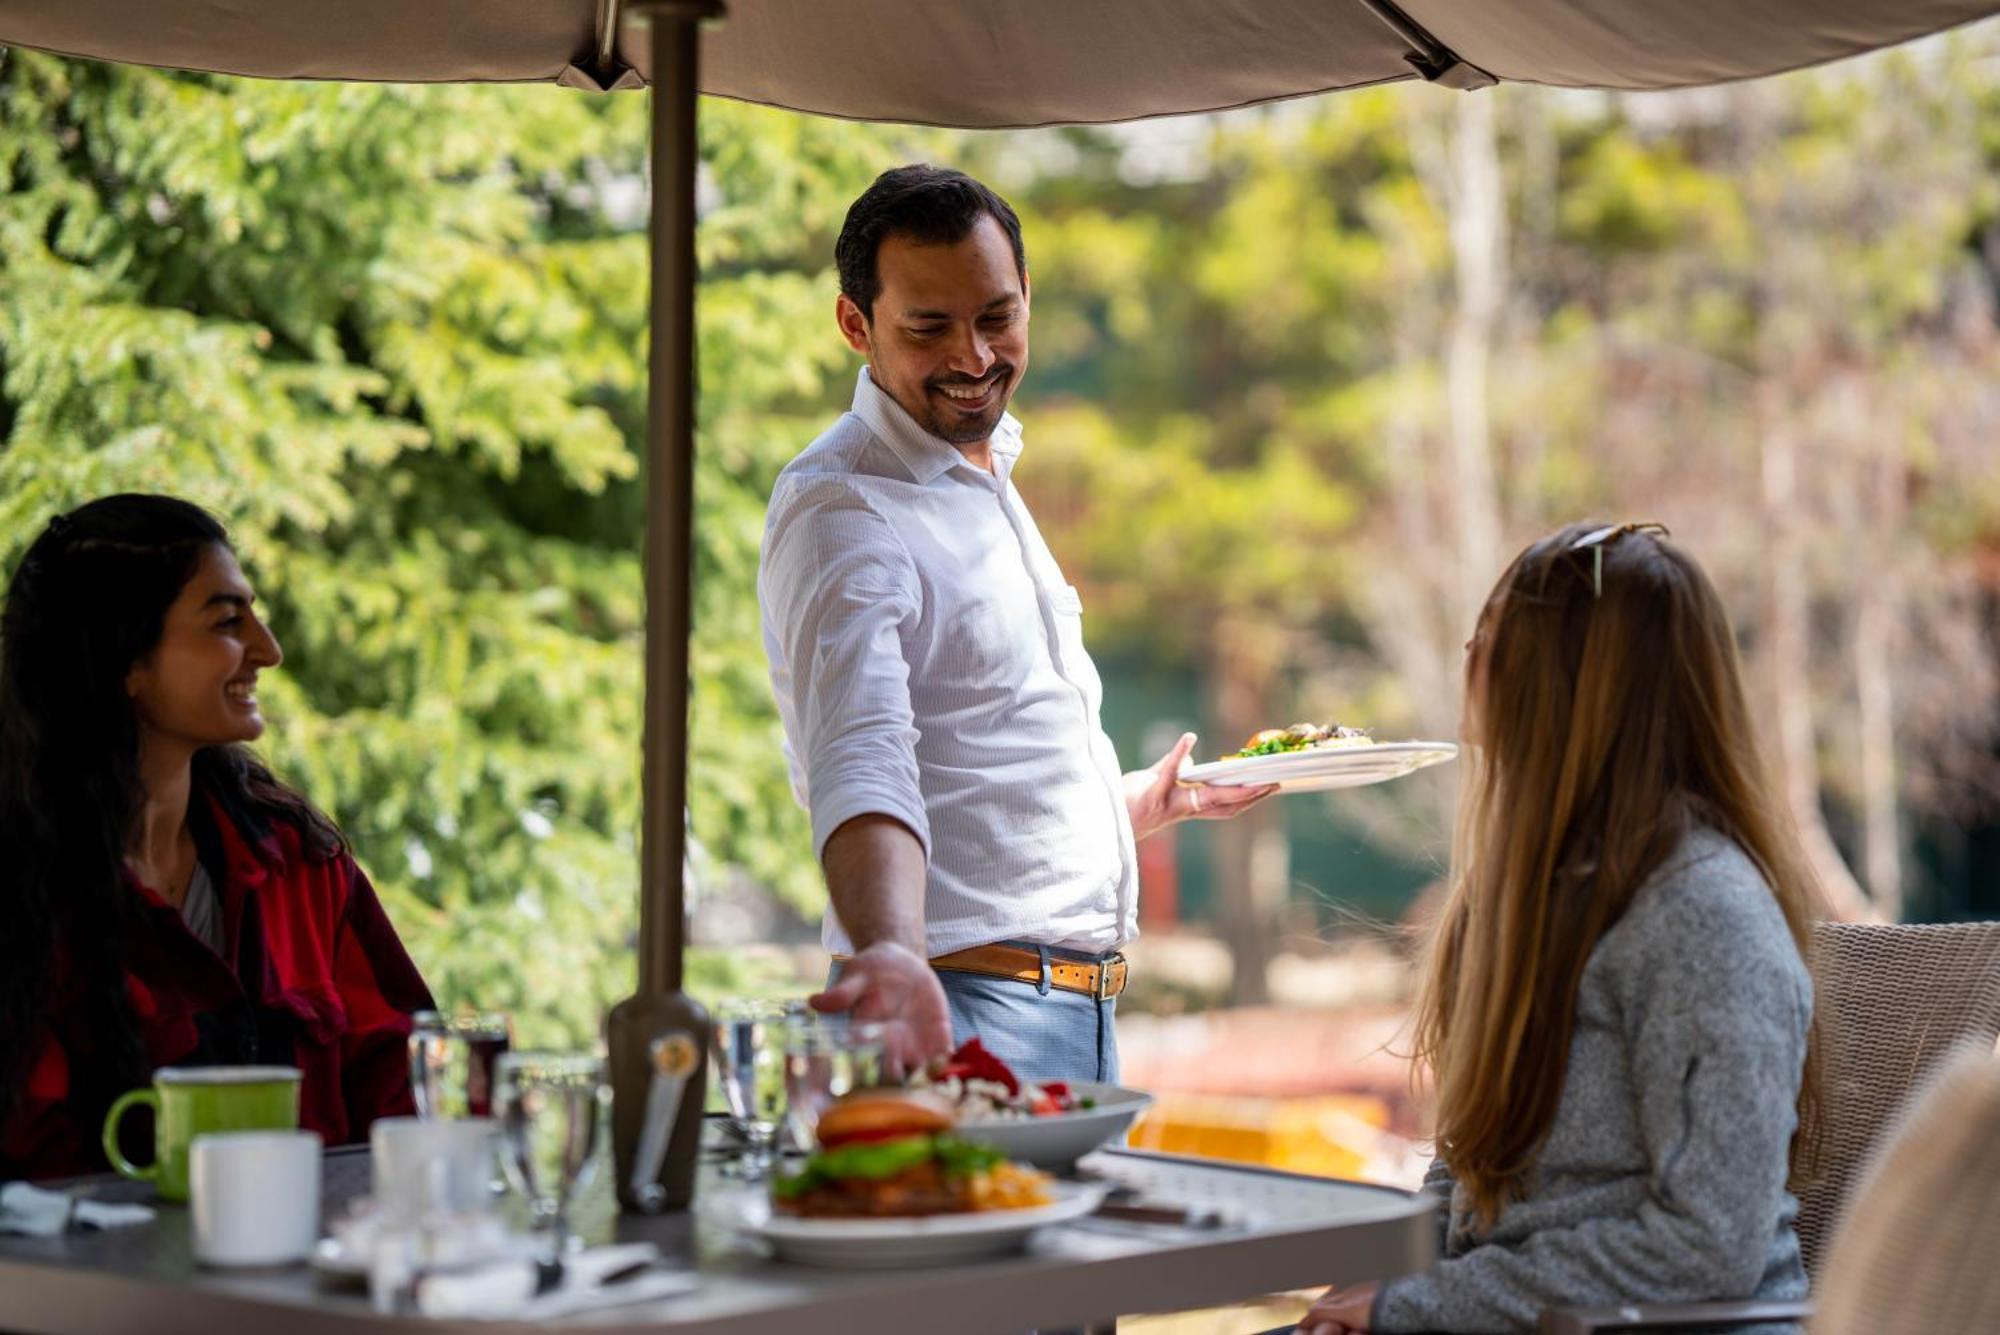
199 684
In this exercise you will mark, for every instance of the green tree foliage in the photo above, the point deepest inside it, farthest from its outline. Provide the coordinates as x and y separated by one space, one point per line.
396 337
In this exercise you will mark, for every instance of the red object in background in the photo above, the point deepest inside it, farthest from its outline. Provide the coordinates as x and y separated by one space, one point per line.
1160 882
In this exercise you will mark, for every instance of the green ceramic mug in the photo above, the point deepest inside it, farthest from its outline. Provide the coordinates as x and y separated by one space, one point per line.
190 1100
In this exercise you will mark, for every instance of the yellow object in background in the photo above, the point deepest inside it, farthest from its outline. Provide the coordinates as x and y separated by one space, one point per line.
1333 1135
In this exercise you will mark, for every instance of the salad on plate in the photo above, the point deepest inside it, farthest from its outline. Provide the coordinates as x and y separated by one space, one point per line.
981 1087
1301 737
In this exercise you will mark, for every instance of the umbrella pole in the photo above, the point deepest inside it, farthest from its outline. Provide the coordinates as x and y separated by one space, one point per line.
670 421
658 1039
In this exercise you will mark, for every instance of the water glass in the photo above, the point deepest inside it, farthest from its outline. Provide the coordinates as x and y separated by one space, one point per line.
826 1057
750 1067
452 1056
443 1166
550 1107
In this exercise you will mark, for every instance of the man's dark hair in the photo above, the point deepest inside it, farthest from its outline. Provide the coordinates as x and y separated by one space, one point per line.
933 206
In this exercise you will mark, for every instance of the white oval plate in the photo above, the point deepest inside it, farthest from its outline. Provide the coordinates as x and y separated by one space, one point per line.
892 1244
1327 767
1060 1139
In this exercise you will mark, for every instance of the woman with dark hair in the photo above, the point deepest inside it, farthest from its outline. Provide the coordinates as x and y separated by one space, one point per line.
168 901
1616 1014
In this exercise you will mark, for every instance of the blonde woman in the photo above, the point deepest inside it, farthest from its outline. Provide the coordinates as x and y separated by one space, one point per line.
1616 1014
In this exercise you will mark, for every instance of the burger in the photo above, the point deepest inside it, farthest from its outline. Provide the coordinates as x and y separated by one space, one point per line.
889 1153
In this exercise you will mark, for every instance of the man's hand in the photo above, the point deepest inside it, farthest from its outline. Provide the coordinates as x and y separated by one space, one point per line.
1156 798
875 877
892 983
1340 1311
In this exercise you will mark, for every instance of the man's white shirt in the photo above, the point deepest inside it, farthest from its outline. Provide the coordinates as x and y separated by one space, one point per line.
928 661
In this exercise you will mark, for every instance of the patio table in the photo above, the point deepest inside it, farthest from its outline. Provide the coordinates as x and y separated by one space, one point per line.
1295 1232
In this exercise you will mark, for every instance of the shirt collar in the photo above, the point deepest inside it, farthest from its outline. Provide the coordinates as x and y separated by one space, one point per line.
927 457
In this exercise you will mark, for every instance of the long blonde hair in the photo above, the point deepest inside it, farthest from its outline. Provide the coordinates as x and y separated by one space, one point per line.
1606 707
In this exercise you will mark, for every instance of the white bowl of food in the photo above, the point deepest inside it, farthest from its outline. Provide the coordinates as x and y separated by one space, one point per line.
1102 1116
1050 1125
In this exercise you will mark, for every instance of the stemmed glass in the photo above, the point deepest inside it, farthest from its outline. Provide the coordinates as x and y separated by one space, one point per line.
826 1056
550 1106
749 1065
452 1057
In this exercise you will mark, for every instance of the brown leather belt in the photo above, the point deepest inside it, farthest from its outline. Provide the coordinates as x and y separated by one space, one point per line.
1101 981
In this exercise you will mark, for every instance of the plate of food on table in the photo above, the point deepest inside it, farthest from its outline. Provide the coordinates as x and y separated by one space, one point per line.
1309 757
1050 1124
891 1183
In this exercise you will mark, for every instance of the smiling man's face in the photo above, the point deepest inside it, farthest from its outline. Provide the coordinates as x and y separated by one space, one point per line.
949 337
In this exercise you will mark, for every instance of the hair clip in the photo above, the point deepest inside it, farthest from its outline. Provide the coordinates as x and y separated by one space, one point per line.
1599 538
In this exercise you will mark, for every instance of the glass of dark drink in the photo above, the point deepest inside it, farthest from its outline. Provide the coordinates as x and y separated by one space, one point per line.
452 1059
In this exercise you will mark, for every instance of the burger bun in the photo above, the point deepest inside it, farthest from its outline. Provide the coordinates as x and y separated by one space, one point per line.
882 1114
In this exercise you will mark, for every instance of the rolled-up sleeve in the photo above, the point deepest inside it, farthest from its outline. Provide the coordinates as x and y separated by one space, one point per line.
837 591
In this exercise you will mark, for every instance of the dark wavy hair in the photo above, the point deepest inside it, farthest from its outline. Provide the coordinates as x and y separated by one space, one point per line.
87 602
933 206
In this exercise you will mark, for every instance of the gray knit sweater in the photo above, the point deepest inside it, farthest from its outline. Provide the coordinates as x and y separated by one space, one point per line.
1663 1176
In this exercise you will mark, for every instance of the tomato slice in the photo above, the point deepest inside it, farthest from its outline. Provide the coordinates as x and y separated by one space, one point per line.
869 1137
979 1064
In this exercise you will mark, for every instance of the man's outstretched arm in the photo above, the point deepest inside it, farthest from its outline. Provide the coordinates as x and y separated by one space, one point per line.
875 877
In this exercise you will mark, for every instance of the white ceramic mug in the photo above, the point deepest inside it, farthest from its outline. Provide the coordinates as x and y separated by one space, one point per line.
254 1196
426 1167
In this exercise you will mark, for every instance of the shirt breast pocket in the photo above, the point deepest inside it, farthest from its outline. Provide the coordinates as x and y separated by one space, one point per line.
989 641
1076 664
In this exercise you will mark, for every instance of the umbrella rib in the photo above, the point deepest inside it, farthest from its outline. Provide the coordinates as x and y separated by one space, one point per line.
1434 60
606 68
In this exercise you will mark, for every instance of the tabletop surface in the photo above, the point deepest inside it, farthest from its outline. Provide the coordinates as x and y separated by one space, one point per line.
1284 1231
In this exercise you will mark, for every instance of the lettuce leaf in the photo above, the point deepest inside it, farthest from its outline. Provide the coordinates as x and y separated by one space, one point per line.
875 1160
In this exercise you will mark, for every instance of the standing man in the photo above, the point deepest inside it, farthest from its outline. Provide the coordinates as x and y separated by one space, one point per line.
940 713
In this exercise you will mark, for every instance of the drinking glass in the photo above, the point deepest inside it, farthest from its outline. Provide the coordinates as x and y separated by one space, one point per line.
452 1055
550 1105
750 1067
826 1056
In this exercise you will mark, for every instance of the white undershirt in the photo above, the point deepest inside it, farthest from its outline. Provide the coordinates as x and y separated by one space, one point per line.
201 909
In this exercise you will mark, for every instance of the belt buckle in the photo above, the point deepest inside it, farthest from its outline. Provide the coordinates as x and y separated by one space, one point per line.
1102 992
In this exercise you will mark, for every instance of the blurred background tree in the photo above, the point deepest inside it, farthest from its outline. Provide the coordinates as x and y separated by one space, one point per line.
1396 335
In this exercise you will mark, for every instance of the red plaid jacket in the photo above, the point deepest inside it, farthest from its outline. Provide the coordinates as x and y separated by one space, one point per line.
314 977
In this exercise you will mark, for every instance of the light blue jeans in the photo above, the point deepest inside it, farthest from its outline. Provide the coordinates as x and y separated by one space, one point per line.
1041 1031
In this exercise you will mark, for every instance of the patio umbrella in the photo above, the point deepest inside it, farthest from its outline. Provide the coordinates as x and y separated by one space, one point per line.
998 62
993 64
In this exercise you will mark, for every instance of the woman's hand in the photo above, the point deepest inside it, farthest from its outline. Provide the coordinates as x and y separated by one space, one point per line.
1340 1311
1155 797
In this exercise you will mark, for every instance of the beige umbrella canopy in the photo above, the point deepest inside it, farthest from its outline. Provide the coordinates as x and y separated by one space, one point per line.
999 62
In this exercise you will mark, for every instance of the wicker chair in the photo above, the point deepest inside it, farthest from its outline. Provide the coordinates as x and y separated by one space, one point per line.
1915 1254
1893 1003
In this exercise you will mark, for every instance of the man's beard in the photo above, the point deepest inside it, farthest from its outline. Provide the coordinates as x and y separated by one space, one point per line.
957 429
